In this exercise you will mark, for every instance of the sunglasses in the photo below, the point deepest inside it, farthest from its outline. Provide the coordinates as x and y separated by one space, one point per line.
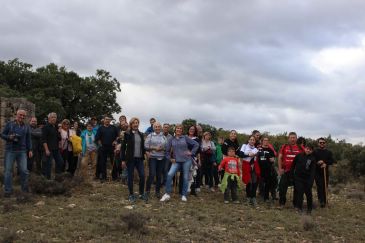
322 142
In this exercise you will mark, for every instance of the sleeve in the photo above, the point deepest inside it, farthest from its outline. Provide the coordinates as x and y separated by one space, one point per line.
295 161
193 143
123 146
330 159
168 149
147 143
44 135
6 131
28 140
213 146
242 152
222 164
98 135
225 148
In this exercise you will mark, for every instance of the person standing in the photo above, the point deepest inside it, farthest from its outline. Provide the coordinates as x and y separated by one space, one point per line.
132 155
50 140
18 146
36 135
250 169
166 133
155 145
207 157
324 158
177 149
106 138
285 160
304 169
230 181
231 142
65 146
150 128
266 159
89 148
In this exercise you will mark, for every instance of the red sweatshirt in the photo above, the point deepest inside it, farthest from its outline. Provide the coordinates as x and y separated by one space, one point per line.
289 152
230 165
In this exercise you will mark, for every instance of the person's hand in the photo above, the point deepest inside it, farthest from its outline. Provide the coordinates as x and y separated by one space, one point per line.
173 161
281 171
188 153
251 154
320 162
48 153
214 164
272 160
30 154
323 165
11 136
114 143
124 165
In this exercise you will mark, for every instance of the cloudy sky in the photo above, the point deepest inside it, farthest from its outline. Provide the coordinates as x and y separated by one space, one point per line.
270 65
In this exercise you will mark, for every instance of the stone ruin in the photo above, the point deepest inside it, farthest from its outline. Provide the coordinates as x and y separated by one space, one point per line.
8 108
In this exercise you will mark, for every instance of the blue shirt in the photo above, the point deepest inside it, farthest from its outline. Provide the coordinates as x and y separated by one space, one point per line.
179 148
23 141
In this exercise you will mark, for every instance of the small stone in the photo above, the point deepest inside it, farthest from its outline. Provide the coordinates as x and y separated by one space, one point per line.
72 205
40 203
20 232
129 207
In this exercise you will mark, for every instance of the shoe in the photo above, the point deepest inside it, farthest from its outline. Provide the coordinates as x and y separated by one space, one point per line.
197 189
193 193
158 195
165 197
236 202
184 199
323 205
212 189
226 202
145 197
132 198
248 200
254 202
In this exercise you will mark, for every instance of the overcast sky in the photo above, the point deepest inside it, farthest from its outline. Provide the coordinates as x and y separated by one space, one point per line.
269 65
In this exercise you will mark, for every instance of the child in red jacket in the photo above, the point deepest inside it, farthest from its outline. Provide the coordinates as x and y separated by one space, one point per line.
231 178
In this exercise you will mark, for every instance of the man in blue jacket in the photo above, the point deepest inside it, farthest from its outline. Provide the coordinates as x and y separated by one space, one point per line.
18 146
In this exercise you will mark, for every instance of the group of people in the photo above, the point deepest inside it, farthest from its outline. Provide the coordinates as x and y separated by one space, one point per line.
190 160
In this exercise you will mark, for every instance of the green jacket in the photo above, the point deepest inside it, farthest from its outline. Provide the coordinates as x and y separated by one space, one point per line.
218 153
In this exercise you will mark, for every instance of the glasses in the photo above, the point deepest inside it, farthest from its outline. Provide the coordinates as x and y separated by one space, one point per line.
322 142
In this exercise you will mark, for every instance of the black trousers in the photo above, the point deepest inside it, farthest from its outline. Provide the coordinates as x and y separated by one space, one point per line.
302 187
231 187
216 175
105 152
207 170
321 190
251 190
286 180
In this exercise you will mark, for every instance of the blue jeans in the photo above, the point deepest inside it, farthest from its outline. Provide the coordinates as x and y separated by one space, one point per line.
47 167
138 164
21 159
155 169
174 168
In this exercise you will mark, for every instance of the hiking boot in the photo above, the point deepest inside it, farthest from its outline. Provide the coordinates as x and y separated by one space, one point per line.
165 197
132 198
184 199
145 197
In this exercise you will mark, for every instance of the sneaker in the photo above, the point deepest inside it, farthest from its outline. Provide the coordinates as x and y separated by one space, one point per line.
197 189
184 199
212 189
145 197
236 202
254 202
226 202
165 197
132 199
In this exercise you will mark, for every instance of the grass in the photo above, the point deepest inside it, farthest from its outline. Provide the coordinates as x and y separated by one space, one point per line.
101 213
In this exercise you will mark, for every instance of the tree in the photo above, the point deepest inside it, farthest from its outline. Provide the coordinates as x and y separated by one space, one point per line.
55 89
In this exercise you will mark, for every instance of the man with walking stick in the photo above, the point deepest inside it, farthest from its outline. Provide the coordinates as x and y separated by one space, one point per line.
324 158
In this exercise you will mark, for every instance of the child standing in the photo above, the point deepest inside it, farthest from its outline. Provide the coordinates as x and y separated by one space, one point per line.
250 169
304 168
230 181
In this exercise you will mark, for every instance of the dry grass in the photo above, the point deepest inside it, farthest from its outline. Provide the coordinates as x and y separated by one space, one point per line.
101 213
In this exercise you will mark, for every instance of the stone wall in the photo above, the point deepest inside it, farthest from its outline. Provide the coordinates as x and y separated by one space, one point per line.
8 108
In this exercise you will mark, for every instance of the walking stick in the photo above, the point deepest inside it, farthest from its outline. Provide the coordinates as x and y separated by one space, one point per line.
325 185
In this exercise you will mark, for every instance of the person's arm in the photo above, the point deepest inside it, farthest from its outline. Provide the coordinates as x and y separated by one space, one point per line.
123 149
222 164
98 136
224 148
280 162
193 143
5 134
28 142
168 149
243 153
295 161
330 159
44 140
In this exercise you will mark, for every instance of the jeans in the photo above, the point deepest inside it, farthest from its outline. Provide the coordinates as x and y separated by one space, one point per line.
174 168
138 164
47 167
155 169
21 159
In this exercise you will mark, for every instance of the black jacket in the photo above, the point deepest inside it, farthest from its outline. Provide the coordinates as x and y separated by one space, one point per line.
127 148
51 136
304 167
228 143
